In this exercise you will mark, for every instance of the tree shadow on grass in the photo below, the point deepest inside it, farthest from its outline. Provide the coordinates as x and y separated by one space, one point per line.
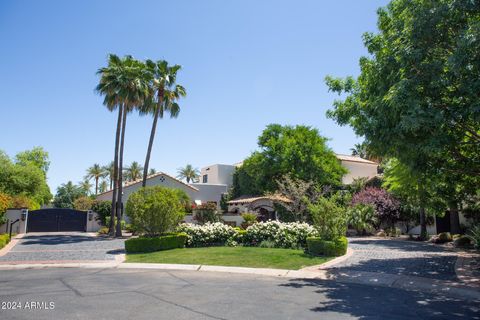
375 302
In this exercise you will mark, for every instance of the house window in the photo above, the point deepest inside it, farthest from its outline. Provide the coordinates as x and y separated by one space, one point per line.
205 178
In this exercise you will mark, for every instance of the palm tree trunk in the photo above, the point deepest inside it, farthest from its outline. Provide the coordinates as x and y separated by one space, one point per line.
96 185
114 181
118 231
150 143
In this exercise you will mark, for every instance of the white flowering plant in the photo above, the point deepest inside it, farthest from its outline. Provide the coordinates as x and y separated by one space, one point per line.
283 235
208 234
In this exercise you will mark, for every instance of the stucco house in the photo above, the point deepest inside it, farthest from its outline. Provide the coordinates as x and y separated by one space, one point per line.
157 179
217 179
357 168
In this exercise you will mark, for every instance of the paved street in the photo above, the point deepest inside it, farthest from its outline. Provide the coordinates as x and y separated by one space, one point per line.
72 246
400 257
154 294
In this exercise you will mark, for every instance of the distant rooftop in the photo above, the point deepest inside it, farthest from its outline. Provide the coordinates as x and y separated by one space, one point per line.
344 157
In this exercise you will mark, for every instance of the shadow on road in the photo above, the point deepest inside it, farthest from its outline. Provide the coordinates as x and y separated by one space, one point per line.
403 245
370 302
430 266
60 239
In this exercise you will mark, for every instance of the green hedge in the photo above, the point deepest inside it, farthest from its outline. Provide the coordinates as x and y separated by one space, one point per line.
155 244
317 246
4 240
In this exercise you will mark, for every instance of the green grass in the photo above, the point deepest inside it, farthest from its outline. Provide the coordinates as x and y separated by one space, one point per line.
253 257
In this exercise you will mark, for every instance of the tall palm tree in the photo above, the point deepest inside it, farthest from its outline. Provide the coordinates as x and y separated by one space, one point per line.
109 169
163 94
85 186
188 173
103 187
134 171
124 87
95 172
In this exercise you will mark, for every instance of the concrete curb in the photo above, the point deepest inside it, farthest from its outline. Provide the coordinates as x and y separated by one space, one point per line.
11 244
330 263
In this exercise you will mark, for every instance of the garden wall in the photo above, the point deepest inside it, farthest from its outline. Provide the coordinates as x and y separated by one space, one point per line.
12 215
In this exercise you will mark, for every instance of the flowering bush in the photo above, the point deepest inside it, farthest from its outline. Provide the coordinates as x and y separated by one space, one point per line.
387 208
283 235
208 234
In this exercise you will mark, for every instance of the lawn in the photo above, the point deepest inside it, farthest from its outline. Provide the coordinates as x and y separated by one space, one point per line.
232 256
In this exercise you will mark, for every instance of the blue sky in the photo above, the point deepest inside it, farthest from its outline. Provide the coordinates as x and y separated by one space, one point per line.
245 64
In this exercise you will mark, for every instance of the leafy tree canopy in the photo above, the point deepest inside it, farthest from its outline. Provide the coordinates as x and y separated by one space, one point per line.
36 157
417 94
66 195
299 151
26 176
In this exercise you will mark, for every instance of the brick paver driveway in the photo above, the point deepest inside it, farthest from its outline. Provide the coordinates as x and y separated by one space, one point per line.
63 247
399 257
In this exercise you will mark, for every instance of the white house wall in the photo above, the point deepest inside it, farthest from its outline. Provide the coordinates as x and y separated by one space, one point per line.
161 180
358 170
218 174
209 192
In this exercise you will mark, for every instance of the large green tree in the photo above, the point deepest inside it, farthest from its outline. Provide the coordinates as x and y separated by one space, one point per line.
123 83
163 95
37 157
416 98
25 177
299 151
66 195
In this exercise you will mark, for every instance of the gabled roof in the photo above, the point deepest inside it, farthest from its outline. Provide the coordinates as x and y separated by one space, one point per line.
250 199
157 174
344 157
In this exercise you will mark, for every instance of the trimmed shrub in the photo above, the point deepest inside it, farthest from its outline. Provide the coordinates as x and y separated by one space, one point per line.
103 230
462 241
393 232
135 245
156 210
4 240
444 237
317 246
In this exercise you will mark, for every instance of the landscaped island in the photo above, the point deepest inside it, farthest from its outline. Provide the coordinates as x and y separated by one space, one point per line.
253 257
156 212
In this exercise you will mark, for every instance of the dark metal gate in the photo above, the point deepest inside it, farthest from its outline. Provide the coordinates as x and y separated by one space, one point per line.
56 220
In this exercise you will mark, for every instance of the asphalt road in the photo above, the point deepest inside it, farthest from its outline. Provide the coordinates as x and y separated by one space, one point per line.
152 294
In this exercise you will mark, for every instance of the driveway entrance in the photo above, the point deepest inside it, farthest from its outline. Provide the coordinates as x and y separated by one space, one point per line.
56 220
63 248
